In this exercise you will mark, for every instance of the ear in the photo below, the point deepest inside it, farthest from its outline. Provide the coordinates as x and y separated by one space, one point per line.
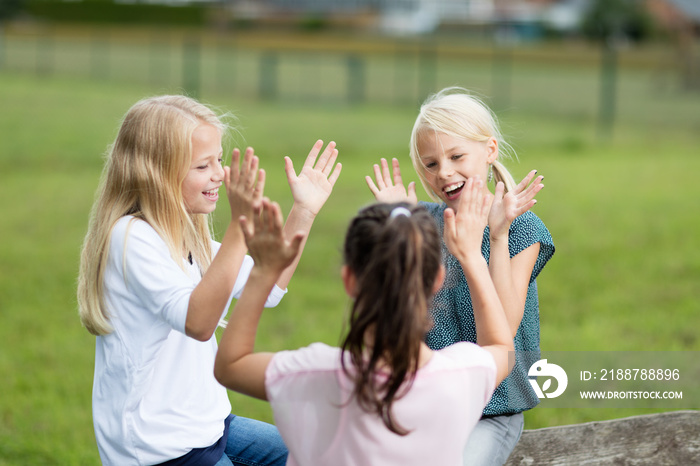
491 150
439 279
349 280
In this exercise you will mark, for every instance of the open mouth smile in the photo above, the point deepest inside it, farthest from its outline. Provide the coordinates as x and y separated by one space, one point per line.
212 194
452 191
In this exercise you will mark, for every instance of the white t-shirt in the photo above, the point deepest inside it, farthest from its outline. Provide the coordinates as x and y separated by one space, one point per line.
308 392
154 393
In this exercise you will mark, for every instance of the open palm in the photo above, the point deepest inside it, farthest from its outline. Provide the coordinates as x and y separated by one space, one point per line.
314 184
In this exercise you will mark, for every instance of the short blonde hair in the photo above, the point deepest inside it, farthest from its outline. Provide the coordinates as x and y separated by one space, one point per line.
143 176
456 112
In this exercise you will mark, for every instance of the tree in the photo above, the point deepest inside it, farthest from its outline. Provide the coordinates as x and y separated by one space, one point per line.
614 19
9 8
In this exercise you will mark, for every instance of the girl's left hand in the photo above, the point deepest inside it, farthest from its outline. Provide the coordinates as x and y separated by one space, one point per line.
264 237
315 182
508 207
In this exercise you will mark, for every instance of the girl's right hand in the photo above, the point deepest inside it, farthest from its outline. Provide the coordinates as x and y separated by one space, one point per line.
244 191
391 190
264 236
464 229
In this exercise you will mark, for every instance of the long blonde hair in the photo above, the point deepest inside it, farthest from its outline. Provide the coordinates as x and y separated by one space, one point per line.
142 177
457 113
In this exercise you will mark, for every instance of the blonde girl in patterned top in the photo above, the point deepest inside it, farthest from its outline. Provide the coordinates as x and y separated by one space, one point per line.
454 139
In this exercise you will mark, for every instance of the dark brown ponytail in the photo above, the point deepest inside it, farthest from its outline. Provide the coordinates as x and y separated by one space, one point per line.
394 252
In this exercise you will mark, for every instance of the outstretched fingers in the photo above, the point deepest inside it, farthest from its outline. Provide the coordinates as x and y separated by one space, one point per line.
387 185
381 174
396 171
313 154
249 168
232 172
475 203
471 197
267 244
327 159
525 192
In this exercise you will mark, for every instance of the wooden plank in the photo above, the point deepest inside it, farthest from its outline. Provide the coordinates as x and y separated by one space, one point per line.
671 438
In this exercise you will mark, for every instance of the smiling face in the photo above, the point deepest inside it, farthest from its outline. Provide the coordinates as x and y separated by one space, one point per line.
449 162
200 188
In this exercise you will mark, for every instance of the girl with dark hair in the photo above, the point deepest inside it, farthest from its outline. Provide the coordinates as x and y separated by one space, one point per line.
384 397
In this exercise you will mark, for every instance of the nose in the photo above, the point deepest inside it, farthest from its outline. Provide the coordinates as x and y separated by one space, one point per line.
445 169
218 174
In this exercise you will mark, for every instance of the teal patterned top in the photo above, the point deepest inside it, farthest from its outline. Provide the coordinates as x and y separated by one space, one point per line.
454 316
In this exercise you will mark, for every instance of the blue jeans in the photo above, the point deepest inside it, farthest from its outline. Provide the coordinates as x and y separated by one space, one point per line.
493 440
253 443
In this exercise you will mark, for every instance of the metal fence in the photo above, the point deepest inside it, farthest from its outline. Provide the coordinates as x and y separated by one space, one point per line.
559 81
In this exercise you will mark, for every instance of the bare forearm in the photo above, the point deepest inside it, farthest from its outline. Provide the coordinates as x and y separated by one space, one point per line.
299 220
210 296
238 340
491 323
239 337
502 276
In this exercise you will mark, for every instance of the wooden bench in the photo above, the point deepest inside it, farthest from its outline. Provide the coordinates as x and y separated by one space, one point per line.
671 438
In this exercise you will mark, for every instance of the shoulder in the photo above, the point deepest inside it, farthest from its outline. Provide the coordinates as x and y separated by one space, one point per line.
528 229
137 239
129 226
315 357
528 220
467 354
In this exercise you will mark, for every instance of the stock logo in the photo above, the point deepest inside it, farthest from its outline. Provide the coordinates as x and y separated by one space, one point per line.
551 371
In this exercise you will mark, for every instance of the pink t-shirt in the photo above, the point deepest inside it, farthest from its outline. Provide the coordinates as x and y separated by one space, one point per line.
308 392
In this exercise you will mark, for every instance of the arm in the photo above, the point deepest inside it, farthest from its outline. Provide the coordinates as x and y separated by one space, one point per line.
463 236
512 276
237 366
210 296
388 189
310 191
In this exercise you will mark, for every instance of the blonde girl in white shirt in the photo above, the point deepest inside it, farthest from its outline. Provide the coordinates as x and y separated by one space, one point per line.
154 285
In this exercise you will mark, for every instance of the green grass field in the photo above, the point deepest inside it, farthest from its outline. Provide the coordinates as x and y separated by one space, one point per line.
623 214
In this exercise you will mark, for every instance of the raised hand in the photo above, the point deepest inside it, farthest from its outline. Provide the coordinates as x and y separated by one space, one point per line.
244 183
464 229
506 208
265 239
390 189
313 185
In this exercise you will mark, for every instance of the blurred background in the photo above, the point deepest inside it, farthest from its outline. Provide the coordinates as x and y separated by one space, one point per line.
601 96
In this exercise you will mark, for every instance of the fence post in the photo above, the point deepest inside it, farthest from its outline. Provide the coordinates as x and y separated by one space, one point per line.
427 71
99 55
225 66
44 52
2 45
356 79
157 47
608 90
268 75
190 66
502 66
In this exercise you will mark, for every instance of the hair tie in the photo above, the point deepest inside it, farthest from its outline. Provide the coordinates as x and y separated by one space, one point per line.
396 211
